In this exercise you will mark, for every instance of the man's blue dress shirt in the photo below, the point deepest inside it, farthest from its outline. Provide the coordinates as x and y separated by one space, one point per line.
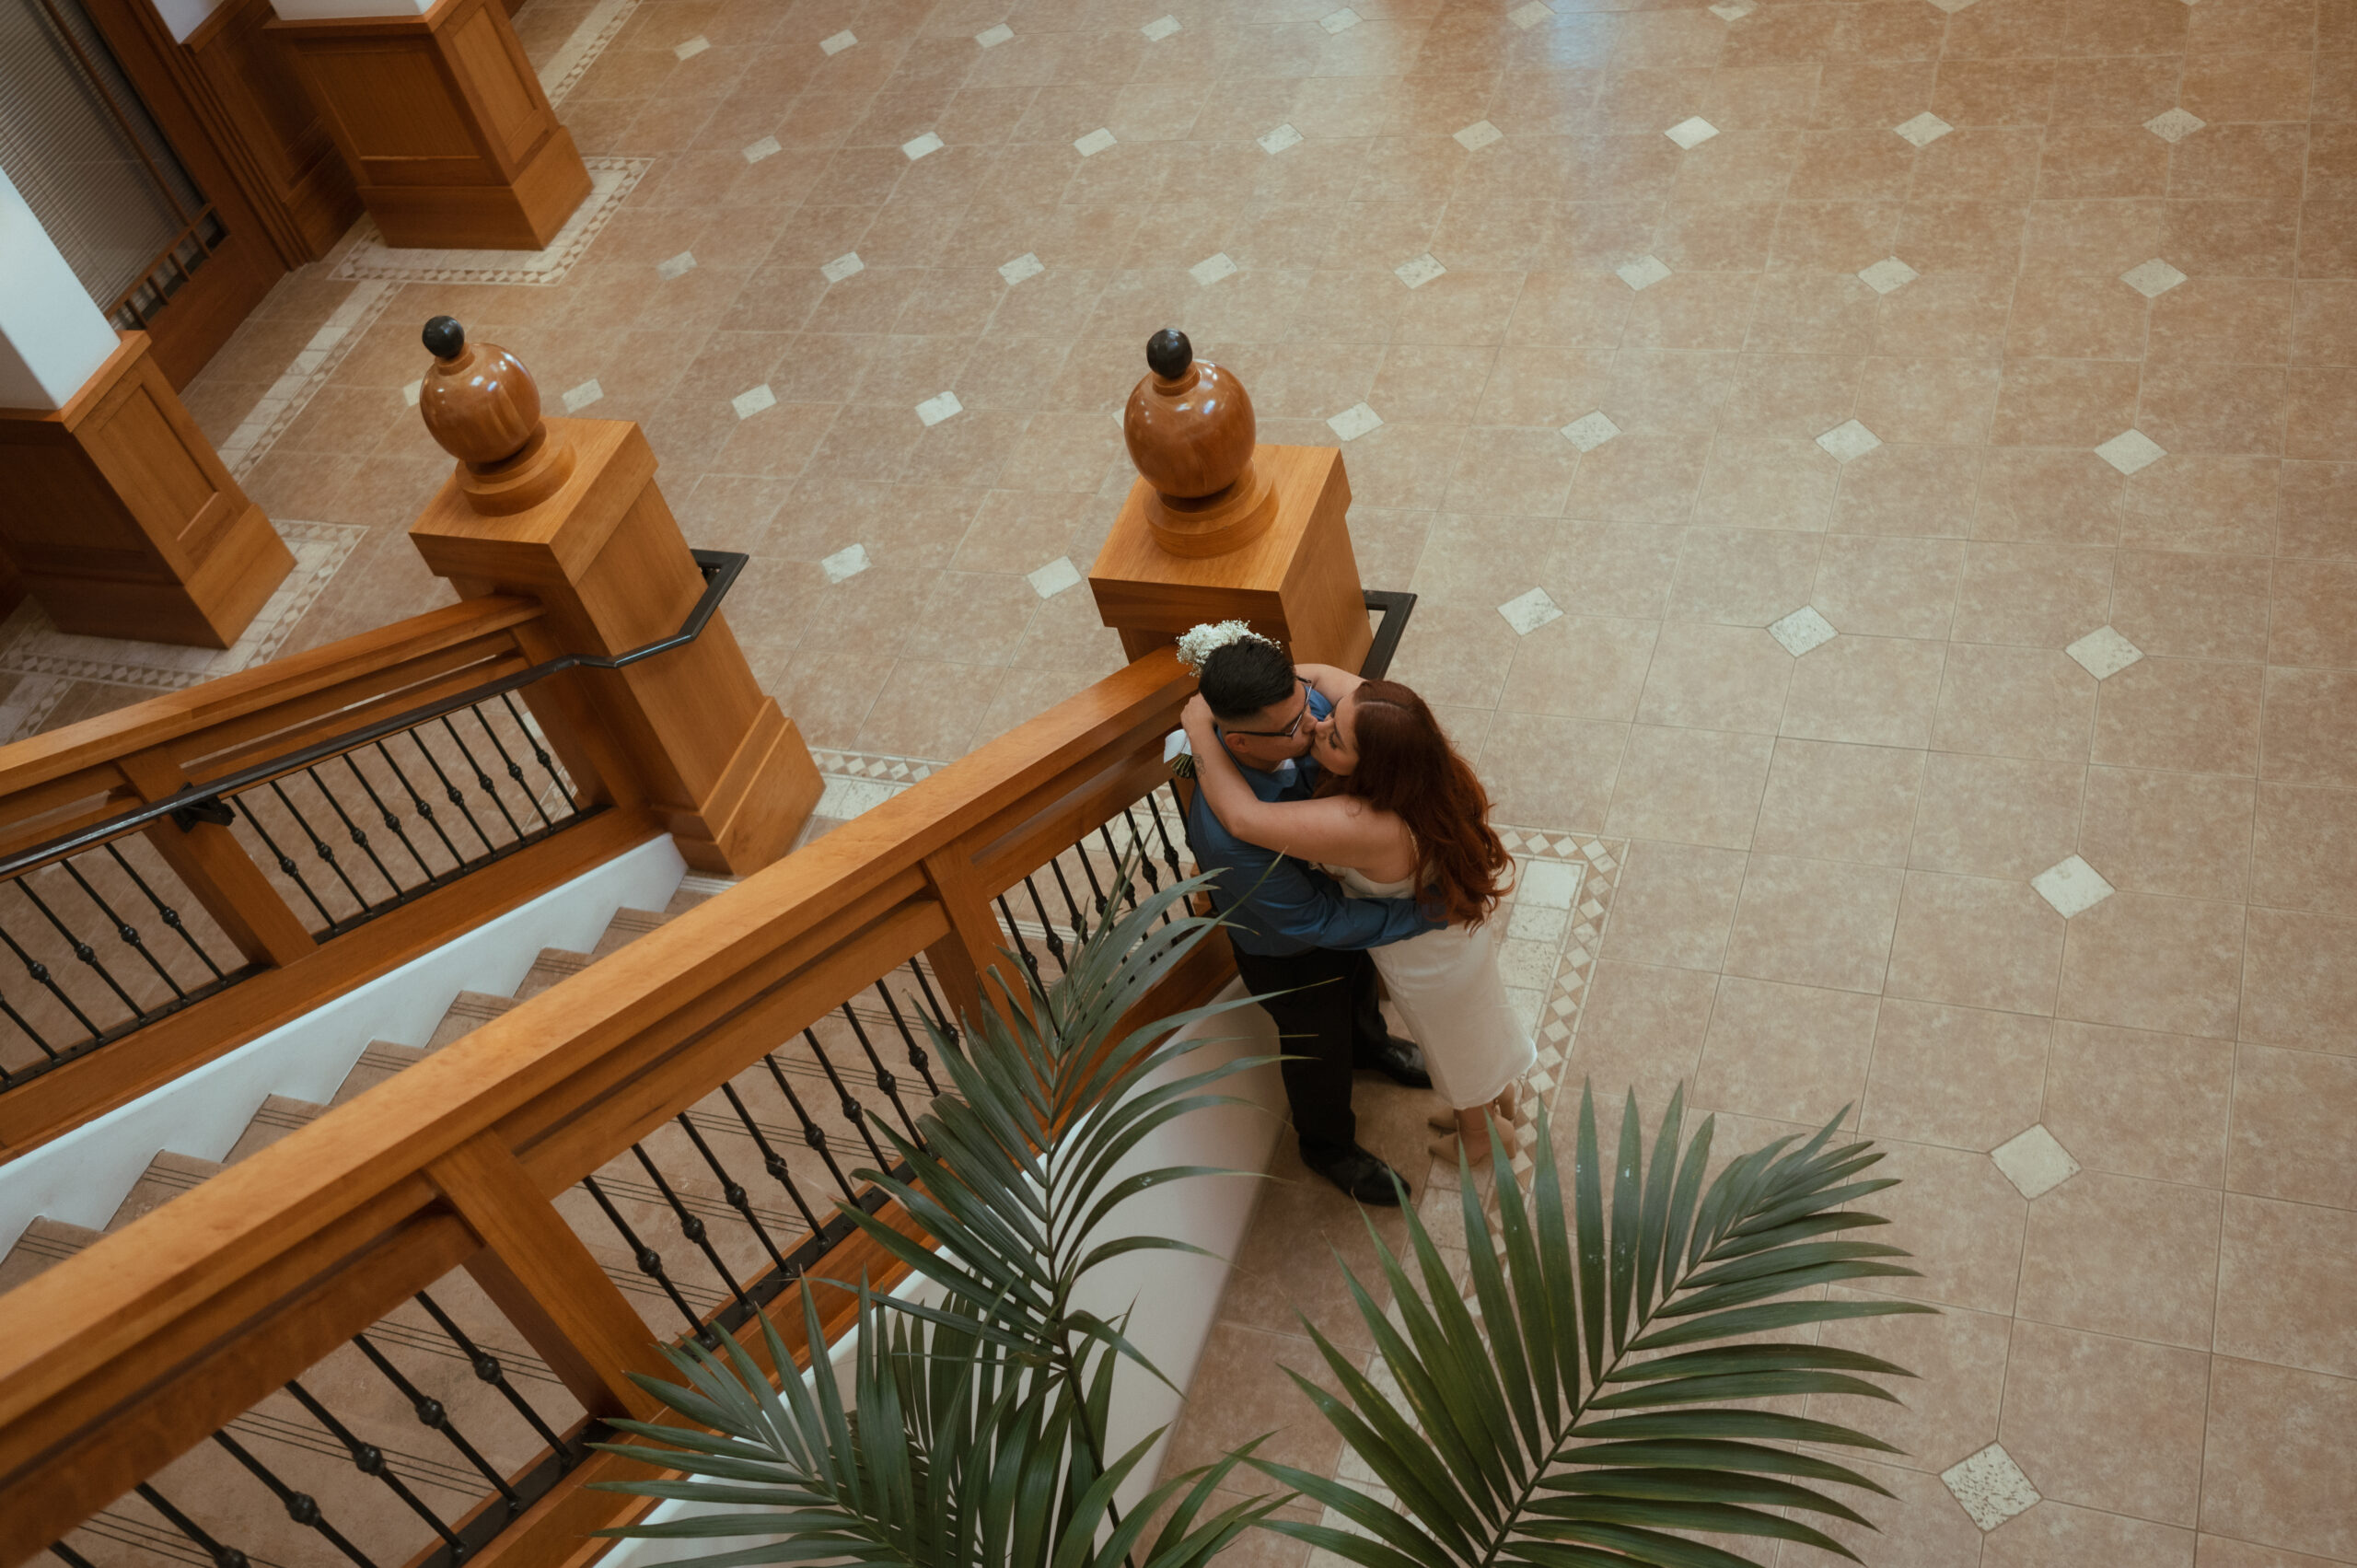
1278 905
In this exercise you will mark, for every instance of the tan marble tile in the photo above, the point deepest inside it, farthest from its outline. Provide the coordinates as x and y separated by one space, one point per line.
2140 1104
1714 676
2180 714
1756 484
1867 690
2104 1422
1843 802
1744 576
2201 502
2056 1535
1962 1221
1909 490
2292 1133
1814 923
1642 1028
2049 497
1674 904
2274 1469
1788 1052
1621 570
2285 1272
2115 1255
2172 965
1996 816
2185 834
1690 785
1975 942
1559 771
1964 1078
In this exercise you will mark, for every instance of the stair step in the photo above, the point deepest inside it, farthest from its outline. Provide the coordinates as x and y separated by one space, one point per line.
694 888
43 1243
553 965
378 1063
627 926
166 1176
469 1012
278 1116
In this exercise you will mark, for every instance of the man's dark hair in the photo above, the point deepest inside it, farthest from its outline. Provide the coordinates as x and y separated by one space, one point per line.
1245 677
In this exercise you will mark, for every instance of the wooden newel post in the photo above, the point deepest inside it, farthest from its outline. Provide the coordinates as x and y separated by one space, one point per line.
1220 528
566 511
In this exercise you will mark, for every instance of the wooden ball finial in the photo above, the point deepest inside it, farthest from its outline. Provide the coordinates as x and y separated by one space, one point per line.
1190 429
482 407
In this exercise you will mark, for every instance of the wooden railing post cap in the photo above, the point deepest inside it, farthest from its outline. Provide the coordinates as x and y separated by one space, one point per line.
1190 431
482 407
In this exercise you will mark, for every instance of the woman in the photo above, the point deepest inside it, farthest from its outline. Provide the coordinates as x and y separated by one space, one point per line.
1397 809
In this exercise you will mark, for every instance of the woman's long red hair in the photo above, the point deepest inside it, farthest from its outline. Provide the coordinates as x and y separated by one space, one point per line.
1407 766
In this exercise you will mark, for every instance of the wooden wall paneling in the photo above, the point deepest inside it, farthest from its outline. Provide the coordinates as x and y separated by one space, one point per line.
249 94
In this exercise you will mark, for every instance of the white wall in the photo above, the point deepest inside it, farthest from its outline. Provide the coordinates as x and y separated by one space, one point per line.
52 337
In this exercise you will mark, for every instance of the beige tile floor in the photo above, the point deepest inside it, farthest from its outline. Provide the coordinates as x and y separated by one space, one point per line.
2011 342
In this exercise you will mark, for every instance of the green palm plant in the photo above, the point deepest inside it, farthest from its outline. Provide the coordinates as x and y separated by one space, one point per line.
1587 1418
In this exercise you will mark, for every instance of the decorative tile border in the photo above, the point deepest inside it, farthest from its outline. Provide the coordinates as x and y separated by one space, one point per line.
571 61
610 180
302 379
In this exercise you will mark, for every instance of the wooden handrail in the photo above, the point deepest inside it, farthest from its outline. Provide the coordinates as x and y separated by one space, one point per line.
124 1356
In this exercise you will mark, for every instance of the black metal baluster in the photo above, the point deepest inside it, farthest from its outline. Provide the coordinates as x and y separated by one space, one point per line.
917 1058
369 1460
851 1108
515 769
82 950
540 754
385 814
488 1370
166 912
1022 949
319 846
31 1033
482 779
128 933
692 1226
456 797
1104 905
1146 855
732 1190
884 1079
40 972
813 1135
933 1003
418 803
650 1264
1072 905
223 1556
432 1416
772 1161
1048 929
359 835
301 1507
1170 855
285 862
1126 888
67 1555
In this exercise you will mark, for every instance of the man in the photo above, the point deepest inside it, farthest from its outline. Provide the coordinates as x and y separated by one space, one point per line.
1293 929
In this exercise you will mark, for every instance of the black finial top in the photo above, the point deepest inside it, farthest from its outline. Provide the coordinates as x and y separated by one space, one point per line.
1167 353
444 339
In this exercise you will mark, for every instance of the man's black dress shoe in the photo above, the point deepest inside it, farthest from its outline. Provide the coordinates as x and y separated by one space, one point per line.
1363 1177
1401 1060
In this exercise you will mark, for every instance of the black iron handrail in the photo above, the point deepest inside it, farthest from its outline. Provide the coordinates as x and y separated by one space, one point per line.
1396 607
205 802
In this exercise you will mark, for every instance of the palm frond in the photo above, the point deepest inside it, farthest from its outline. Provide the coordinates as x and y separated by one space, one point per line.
1587 1418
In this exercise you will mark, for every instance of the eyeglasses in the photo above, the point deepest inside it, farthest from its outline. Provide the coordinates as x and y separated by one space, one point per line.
1290 730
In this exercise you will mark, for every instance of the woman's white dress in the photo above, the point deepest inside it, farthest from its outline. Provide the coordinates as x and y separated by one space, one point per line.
1446 988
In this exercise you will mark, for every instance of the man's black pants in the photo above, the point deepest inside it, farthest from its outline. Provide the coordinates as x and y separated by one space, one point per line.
1330 1019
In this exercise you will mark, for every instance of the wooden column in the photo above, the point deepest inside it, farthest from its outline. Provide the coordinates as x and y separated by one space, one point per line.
571 516
1221 529
441 118
123 521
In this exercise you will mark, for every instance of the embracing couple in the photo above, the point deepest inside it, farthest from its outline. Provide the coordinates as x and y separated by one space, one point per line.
1348 839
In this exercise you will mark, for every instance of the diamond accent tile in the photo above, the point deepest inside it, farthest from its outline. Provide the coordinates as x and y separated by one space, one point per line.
849 561
1547 885
1886 274
1054 577
1691 133
1354 422
838 42
766 147
752 401
1953 7
1527 613
1420 271
1280 138
1335 21
1210 269
938 407
1735 10
1590 431
692 47
1529 15
676 266
1925 129
1849 440
415 391
2131 450
1642 273
1802 630
581 396
918 146
843 266
991 38
2174 124
2152 279
1024 266
1479 134
1159 28
1991 1487
2035 1163
2103 653
1096 142
2072 886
